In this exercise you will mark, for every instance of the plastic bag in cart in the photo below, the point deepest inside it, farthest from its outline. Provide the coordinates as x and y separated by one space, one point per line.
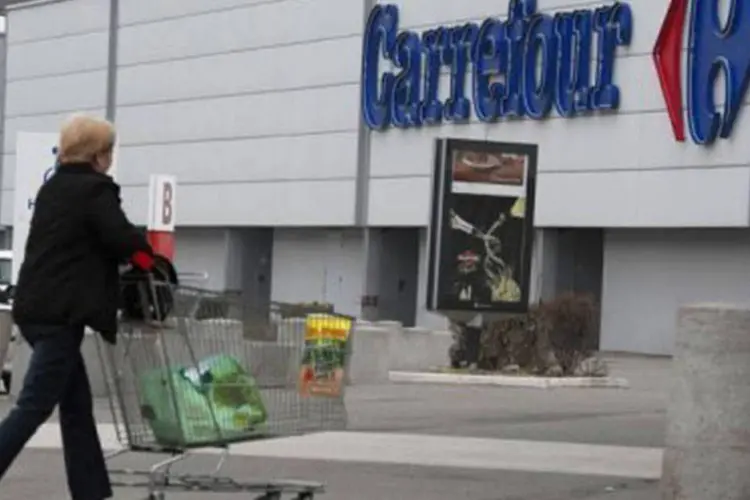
213 403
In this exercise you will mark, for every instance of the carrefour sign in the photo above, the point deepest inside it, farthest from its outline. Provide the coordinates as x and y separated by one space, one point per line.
714 46
525 65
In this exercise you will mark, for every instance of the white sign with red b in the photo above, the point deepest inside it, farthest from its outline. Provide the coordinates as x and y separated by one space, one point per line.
161 203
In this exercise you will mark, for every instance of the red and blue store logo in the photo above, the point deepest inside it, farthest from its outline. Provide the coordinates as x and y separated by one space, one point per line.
713 46
531 64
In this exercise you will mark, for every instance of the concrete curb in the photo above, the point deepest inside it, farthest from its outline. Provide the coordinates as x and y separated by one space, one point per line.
509 380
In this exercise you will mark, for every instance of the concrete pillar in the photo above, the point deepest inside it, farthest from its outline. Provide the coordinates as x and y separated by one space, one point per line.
707 452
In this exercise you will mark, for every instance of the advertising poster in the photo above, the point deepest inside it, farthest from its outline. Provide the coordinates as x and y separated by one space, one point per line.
324 356
481 233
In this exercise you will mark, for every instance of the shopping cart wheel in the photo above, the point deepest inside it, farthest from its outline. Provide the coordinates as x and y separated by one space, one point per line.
157 496
271 495
306 496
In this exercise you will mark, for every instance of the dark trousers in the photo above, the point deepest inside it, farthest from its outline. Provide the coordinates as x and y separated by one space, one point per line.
57 376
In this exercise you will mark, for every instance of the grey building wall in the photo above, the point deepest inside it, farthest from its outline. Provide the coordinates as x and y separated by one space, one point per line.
57 60
648 274
205 252
247 102
251 104
319 265
236 259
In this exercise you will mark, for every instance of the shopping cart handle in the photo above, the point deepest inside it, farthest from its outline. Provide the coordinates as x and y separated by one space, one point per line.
164 271
147 295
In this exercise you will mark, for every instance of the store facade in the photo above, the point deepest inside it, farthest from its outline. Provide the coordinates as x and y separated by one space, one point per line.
304 174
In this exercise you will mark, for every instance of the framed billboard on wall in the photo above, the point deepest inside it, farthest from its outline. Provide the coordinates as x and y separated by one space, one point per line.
481 231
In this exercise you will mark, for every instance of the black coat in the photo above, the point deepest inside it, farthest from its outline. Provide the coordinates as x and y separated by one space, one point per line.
78 237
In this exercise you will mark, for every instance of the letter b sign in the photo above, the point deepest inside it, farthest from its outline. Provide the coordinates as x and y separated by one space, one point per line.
162 203
167 205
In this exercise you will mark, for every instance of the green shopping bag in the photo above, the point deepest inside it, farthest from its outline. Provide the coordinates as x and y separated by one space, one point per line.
214 403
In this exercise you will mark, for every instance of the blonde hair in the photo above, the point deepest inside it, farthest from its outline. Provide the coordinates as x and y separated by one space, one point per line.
82 137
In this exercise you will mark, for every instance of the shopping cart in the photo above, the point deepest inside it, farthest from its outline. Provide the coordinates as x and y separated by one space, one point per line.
194 369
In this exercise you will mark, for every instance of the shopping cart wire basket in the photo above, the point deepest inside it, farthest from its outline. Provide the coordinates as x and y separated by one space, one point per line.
195 369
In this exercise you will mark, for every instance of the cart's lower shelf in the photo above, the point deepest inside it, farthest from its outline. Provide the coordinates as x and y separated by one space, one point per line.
162 484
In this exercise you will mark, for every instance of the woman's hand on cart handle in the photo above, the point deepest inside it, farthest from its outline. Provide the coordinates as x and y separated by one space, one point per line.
143 261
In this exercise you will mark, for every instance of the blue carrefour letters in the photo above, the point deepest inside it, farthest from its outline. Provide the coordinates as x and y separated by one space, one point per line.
377 90
717 48
526 65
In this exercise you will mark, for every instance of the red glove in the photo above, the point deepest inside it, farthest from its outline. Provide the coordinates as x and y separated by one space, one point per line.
142 261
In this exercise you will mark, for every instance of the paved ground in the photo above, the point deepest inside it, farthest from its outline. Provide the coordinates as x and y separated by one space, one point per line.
633 417
411 442
38 475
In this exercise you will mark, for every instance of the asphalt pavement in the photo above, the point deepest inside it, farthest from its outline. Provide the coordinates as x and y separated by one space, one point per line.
420 442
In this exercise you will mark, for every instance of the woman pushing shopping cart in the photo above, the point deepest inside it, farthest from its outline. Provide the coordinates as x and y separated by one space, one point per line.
196 369
181 364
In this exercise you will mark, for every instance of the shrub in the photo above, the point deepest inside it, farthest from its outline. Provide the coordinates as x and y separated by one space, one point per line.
553 338
572 319
301 310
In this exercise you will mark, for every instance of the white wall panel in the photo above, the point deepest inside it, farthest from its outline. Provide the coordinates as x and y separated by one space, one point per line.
300 203
53 39
59 19
57 54
260 115
253 103
400 201
86 52
605 142
322 63
66 93
135 203
648 275
259 25
712 197
327 156
142 11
